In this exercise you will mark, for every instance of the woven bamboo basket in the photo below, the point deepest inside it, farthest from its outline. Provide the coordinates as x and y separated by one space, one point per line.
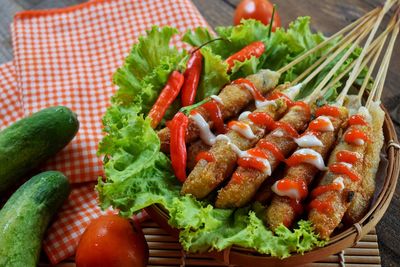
345 239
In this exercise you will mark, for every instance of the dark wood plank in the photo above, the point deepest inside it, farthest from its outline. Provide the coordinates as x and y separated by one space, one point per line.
327 16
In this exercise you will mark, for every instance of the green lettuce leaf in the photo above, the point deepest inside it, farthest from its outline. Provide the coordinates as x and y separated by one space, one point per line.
214 75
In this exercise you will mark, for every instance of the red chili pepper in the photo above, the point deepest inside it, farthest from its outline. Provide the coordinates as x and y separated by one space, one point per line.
192 78
255 49
166 97
177 127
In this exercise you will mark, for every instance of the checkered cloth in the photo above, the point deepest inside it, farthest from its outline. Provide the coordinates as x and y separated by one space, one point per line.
67 57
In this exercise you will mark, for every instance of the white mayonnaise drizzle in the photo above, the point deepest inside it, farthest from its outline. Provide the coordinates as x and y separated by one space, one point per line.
260 104
217 99
205 133
244 115
329 127
293 91
308 140
278 133
243 154
348 165
292 193
246 131
339 180
318 162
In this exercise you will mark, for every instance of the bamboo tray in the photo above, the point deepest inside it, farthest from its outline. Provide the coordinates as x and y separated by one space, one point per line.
346 239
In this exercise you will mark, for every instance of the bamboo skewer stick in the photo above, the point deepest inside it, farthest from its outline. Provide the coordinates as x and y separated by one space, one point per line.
374 49
337 65
381 76
346 40
353 76
360 21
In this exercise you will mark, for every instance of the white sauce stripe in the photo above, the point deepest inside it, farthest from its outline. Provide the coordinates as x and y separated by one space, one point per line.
293 91
205 133
292 193
244 154
340 181
217 99
260 104
278 133
308 140
244 115
318 161
329 127
246 131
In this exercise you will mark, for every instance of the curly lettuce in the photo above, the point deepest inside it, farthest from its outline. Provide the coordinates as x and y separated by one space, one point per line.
139 175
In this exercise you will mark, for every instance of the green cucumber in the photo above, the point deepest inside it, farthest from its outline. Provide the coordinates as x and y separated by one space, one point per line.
32 140
26 215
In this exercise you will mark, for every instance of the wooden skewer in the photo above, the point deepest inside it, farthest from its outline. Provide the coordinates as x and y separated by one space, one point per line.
373 64
360 21
332 72
353 76
374 49
340 46
376 92
349 68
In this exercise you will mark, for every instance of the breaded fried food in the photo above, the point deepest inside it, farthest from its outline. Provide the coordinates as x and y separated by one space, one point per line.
234 99
284 210
206 176
362 197
245 181
328 207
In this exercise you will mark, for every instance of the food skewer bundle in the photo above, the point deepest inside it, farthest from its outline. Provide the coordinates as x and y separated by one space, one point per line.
211 165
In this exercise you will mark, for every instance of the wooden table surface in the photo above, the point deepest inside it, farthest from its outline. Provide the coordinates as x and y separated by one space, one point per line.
327 16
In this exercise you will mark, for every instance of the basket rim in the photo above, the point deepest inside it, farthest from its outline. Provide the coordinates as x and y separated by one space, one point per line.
343 240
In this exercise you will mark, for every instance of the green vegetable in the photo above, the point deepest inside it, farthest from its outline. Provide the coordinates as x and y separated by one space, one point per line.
139 175
25 216
32 140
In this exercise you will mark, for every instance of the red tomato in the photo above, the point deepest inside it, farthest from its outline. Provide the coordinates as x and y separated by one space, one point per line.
257 9
112 241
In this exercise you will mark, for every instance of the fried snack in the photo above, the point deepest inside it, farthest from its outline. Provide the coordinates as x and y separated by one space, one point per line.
362 197
328 208
193 150
206 176
284 210
234 99
239 192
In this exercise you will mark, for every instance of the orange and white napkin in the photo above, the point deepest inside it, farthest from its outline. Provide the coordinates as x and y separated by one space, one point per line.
67 57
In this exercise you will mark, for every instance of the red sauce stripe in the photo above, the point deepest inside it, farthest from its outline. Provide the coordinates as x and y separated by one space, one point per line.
254 91
346 156
261 118
275 95
325 188
321 206
357 120
257 152
304 105
353 134
251 163
327 110
205 155
215 114
297 159
342 169
287 128
298 184
274 149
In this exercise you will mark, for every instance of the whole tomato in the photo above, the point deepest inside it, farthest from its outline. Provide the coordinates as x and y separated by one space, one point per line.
257 9
112 241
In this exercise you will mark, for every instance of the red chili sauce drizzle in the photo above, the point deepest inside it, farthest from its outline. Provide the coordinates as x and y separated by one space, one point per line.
275 95
342 169
322 206
287 128
250 86
205 155
303 105
237 178
325 188
298 184
353 134
261 118
215 114
327 110
357 120
346 156
271 147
